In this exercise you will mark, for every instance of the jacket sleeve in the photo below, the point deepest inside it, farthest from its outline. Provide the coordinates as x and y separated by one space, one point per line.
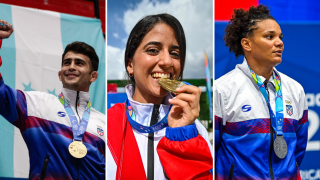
0 56
185 155
218 119
13 106
302 130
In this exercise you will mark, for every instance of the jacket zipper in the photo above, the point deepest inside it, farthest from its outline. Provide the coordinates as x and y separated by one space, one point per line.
298 172
150 162
231 172
78 168
77 99
44 168
76 107
271 135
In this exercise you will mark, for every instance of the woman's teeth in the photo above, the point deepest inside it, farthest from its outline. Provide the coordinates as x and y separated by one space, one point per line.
161 75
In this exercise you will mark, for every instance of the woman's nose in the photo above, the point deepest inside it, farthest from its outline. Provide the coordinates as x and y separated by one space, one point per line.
166 59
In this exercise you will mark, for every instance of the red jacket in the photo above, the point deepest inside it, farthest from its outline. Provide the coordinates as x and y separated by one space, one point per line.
183 153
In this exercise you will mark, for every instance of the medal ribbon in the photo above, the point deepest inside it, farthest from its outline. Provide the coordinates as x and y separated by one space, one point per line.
77 129
145 129
276 120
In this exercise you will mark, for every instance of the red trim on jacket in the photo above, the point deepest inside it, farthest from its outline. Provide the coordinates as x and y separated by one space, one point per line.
0 56
123 145
189 159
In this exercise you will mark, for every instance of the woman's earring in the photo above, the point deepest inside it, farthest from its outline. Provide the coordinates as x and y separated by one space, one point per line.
130 74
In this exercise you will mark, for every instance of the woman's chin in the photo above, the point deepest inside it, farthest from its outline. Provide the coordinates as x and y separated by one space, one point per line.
161 92
277 61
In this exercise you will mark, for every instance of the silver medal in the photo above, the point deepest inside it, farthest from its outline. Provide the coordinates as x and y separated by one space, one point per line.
280 147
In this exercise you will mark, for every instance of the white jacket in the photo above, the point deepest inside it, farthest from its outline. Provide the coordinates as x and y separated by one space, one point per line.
242 126
46 129
143 114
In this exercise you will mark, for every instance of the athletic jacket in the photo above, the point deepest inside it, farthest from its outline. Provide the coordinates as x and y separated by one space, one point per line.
179 153
46 129
243 134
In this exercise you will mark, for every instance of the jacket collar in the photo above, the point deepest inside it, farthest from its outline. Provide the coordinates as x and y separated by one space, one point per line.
130 91
71 96
143 111
244 68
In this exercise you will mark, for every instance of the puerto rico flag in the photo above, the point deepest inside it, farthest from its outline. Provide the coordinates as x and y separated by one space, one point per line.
289 110
31 61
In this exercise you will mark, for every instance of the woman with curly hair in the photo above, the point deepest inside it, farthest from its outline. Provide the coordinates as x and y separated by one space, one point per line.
261 116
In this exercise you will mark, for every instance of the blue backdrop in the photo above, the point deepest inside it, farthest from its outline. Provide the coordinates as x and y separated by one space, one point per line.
301 62
114 98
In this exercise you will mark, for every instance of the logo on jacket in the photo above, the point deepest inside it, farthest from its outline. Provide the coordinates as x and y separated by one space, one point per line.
61 114
289 109
246 108
100 130
288 102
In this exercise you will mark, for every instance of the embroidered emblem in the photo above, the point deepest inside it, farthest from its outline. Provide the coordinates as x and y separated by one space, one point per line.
246 108
100 130
289 109
61 114
288 102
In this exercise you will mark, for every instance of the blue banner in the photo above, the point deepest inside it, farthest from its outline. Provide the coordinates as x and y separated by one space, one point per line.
114 98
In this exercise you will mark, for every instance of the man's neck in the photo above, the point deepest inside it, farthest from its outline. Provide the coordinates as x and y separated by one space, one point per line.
77 88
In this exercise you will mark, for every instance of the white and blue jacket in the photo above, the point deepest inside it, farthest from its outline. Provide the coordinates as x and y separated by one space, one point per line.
244 135
47 132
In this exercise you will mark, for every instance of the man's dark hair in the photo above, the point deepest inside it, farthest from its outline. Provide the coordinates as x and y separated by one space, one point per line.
144 26
85 49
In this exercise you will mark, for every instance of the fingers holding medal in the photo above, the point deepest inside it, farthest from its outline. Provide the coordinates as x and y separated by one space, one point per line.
186 106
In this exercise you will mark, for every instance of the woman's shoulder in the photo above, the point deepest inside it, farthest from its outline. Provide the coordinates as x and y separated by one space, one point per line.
115 109
232 81
290 83
232 76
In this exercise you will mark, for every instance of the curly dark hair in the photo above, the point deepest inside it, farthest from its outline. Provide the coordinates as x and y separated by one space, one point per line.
242 25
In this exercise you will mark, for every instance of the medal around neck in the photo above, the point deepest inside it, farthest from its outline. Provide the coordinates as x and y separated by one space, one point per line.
276 119
77 149
141 128
280 147
171 85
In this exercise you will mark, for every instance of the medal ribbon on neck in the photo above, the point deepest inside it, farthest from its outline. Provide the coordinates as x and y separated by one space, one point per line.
145 129
77 129
276 120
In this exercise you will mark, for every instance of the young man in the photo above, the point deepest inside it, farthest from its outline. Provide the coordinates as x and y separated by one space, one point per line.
60 133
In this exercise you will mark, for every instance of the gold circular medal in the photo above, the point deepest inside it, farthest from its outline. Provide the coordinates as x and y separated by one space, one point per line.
77 149
170 85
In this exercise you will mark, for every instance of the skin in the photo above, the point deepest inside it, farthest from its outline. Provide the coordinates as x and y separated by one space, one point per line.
263 50
4 31
159 52
76 73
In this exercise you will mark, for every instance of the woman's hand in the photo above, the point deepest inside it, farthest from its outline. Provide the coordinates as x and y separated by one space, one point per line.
185 106
5 31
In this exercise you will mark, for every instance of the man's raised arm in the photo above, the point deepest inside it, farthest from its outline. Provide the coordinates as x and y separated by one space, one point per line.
12 102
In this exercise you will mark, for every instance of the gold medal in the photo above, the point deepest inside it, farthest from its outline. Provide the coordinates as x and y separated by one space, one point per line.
77 149
170 85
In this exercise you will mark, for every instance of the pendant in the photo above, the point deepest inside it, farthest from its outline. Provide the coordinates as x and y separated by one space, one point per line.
170 85
77 149
280 147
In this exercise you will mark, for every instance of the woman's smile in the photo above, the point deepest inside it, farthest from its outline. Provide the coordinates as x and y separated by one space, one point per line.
157 56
